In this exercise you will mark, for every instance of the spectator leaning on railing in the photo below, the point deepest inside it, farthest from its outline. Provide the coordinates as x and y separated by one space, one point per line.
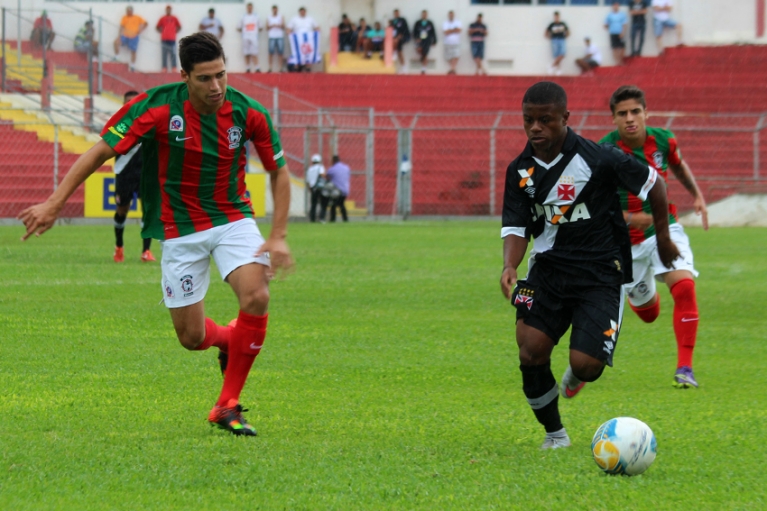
42 32
168 26
84 40
477 34
250 28
452 31
275 29
425 37
616 23
131 26
558 32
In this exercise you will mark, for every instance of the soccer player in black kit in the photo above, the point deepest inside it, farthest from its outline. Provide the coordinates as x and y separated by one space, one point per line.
562 191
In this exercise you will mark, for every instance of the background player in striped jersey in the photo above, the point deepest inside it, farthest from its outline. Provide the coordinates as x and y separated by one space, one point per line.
127 186
657 148
194 198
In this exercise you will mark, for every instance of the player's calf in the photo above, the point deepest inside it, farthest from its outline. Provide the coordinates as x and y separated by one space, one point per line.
648 312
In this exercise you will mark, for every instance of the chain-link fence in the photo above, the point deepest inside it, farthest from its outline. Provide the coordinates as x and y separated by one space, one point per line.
402 164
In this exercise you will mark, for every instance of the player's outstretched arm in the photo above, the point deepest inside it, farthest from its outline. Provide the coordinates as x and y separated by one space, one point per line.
514 249
659 204
40 217
279 252
684 175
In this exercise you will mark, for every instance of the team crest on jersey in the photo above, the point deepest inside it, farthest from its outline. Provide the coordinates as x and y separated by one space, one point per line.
234 134
657 158
176 123
527 180
566 188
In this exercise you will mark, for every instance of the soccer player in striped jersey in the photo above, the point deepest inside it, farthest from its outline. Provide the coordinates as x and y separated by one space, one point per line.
194 200
658 148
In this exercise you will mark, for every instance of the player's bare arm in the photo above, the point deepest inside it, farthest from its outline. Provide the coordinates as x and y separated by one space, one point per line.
39 218
638 220
684 175
275 245
514 249
667 251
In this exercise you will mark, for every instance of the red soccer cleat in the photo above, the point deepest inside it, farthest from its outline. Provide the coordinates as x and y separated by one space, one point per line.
147 256
119 256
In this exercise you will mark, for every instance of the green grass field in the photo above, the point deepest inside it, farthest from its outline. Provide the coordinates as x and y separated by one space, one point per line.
389 380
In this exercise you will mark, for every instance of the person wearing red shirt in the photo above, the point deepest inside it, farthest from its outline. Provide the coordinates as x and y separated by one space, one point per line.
42 32
168 26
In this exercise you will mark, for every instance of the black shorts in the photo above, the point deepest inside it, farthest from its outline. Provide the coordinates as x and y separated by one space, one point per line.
400 44
552 302
127 185
616 42
424 47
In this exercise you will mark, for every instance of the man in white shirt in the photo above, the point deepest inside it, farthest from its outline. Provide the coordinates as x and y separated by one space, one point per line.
452 31
275 29
591 60
212 25
315 178
249 28
305 43
661 10
302 23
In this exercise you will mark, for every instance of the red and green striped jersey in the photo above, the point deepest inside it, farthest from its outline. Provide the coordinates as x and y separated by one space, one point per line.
193 175
659 150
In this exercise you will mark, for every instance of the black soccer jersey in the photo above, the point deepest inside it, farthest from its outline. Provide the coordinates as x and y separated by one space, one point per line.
571 207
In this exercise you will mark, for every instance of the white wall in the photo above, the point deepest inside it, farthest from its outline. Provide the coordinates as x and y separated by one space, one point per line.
516 32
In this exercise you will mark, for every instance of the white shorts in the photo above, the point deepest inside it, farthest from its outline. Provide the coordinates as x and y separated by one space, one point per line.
186 260
648 268
452 51
250 47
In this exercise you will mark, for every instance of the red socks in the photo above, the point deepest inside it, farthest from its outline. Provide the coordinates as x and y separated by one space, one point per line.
685 320
649 313
247 338
215 335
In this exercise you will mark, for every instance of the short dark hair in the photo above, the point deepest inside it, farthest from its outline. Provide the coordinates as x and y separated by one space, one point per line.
129 95
211 10
336 159
625 92
199 47
546 93
556 13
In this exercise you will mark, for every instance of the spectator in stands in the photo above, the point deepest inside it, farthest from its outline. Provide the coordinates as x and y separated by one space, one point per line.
315 180
84 42
361 36
616 23
661 10
374 40
301 24
339 175
345 34
557 31
477 34
591 60
212 25
638 10
131 26
249 28
425 37
275 29
168 26
42 32
401 36
452 31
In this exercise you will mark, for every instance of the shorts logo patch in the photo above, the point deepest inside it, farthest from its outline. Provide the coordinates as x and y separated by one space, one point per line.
234 134
176 123
187 286
169 290
611 333
524 296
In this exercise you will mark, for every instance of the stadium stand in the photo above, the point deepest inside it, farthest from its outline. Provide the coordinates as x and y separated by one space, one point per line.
712 86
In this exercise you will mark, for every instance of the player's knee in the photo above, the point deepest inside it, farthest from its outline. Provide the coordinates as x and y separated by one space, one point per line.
190 338
255 301
587 369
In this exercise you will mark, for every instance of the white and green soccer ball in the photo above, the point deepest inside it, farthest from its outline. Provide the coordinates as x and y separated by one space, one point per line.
624 445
